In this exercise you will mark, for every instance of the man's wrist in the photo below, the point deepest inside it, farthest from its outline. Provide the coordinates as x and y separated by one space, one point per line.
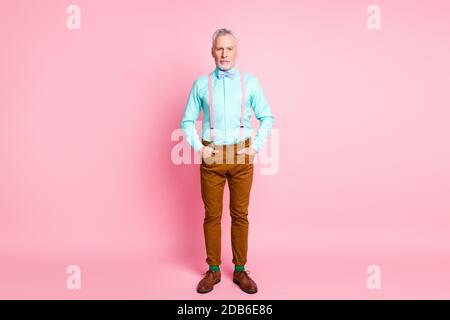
198 146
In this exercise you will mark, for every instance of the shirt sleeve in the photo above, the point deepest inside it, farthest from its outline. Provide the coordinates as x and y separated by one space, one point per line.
190 116
262 111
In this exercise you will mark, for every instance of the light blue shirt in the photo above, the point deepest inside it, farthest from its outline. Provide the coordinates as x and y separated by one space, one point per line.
227 111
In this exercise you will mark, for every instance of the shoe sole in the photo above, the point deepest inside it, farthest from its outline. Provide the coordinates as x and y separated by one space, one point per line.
246 291
199 291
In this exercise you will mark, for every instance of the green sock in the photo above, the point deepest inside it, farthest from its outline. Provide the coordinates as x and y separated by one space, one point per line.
214 268
239 268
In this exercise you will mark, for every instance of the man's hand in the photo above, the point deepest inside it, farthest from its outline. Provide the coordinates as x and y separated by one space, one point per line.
249 151
207 151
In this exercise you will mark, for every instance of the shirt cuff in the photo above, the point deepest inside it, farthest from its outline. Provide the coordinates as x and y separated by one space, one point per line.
197 145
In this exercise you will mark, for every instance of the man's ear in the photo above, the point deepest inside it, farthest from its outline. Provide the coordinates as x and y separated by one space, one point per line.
212 51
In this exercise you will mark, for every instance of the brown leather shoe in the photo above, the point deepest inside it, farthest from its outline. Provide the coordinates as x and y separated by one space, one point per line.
209 280
244 281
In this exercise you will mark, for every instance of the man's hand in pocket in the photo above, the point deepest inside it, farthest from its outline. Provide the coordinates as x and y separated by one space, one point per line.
207 152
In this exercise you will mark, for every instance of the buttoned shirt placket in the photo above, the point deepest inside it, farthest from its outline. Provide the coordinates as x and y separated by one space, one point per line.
211 107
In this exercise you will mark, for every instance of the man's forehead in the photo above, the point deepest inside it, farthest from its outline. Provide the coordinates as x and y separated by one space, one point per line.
225 41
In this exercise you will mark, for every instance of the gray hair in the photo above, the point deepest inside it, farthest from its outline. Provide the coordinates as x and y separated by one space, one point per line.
223 32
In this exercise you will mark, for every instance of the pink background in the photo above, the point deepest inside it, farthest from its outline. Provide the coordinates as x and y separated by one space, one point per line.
86 177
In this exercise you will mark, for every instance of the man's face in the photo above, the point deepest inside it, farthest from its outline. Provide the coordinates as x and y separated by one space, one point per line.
224 52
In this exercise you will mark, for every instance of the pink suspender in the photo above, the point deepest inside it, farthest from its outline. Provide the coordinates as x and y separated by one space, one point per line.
211 112
242 107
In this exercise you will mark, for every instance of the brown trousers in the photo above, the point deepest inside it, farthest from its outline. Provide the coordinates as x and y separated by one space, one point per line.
223 166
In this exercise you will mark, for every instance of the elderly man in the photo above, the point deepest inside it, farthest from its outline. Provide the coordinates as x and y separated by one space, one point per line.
227 98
